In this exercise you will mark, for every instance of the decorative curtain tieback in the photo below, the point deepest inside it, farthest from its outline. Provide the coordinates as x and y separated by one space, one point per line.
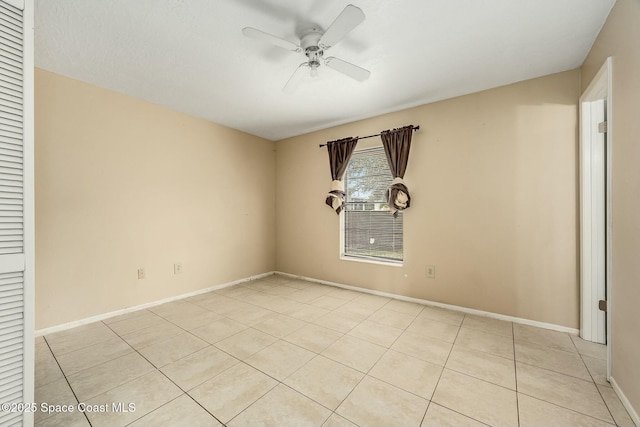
398 196
335 197
397 144
339 154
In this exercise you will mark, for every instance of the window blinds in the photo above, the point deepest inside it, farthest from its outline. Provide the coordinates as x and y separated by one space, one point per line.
370 231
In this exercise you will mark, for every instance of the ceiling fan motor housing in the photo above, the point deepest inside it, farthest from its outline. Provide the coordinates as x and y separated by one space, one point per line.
309 42
310 39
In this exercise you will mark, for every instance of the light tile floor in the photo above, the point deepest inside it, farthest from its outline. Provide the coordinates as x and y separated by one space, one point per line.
284 352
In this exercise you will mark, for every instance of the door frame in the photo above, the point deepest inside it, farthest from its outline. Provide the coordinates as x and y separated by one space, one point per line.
598 90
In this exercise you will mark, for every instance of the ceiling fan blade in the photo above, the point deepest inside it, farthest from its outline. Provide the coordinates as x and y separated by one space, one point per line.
296 78
270 38
350 17
348 69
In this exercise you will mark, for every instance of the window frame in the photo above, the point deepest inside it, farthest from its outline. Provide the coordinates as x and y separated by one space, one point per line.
342 241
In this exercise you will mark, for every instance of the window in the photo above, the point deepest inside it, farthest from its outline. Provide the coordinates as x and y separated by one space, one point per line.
369 229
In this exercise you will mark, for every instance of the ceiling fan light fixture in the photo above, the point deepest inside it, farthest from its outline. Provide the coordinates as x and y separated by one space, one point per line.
314 42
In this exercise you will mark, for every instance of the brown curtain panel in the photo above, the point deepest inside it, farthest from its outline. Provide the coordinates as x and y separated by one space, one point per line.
339 154
396 145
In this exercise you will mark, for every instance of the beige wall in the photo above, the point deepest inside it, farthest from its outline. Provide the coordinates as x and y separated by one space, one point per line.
620 39
123 184
493 181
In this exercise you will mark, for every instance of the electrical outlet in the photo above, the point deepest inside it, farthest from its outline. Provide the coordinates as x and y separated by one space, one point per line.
141 273
431 272
177 268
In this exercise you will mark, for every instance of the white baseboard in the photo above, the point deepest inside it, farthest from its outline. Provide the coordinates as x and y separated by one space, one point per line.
40 332
110 314
441 305
625 402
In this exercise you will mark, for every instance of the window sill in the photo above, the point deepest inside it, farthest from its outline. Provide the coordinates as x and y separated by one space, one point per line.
371 261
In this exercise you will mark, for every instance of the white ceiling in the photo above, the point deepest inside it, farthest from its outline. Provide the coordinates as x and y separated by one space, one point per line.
191 56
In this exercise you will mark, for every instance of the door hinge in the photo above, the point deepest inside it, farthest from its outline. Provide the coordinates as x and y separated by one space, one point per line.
602 127
602 305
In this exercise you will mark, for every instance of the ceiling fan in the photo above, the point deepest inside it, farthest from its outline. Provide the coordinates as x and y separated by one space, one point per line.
314 42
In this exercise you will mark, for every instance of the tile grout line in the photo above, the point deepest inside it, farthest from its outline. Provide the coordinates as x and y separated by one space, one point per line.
571 376
277 380
307 397
447 359
556 372
209 344
198 403
255 401
265 373
157 369
129 345
148 361
316 354
594 382
365 373
429 401
390 349
424 416
84 347
277 339
567 409
451 350
347 396
232 335
442 372
66 380
185 392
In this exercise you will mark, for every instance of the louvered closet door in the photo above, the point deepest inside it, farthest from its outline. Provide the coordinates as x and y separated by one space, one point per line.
14 334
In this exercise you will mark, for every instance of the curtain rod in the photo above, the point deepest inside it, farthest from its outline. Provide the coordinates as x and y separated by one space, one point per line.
369 136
